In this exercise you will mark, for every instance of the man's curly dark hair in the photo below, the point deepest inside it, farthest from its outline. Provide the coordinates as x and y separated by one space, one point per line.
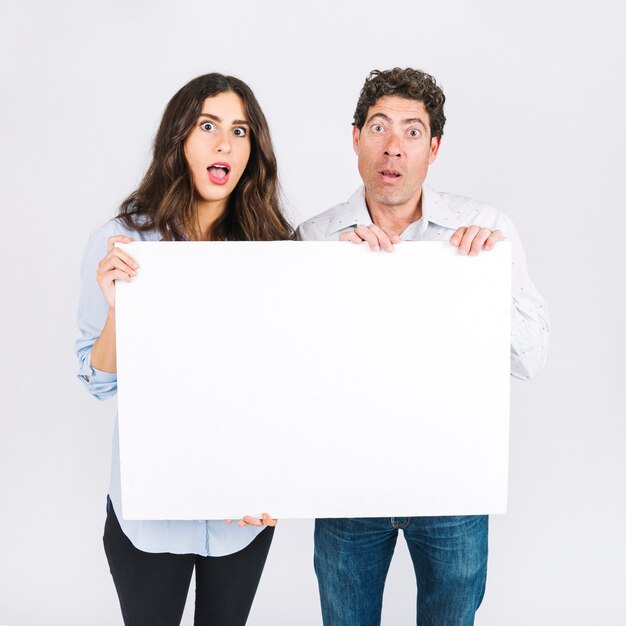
406 83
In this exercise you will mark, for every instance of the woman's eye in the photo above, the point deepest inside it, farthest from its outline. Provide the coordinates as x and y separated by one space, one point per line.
239 132
207 126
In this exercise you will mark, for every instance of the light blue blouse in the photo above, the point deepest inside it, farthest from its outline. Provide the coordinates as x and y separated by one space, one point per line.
202 537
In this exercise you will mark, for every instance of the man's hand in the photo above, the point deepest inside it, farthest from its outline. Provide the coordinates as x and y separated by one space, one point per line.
376 237
472 239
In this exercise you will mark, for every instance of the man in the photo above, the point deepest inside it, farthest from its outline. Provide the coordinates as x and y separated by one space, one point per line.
397 130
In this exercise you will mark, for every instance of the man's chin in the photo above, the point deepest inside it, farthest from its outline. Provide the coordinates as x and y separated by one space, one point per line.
390 198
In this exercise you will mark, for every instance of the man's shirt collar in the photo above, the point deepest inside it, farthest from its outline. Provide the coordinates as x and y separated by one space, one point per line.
434 209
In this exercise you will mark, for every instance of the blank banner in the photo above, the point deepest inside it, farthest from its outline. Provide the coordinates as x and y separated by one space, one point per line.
313 379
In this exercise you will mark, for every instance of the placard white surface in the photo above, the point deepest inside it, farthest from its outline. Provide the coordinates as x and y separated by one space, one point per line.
313 379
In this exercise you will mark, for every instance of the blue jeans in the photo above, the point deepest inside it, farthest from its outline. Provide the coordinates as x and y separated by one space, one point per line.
449 555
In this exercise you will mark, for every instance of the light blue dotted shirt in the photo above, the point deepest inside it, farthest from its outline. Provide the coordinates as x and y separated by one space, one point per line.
202 537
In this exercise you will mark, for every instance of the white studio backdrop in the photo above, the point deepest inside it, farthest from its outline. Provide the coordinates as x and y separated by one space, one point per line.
535 100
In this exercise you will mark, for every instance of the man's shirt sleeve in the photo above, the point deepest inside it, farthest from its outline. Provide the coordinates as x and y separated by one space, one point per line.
530 324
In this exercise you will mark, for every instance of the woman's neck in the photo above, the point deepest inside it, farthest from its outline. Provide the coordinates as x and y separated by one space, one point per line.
208 214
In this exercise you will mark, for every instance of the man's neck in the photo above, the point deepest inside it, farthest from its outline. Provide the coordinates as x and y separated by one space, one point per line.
396 217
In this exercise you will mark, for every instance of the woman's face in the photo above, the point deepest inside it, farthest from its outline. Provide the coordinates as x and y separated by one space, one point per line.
218 148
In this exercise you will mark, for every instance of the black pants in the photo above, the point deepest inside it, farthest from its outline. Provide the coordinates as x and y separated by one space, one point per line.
152 587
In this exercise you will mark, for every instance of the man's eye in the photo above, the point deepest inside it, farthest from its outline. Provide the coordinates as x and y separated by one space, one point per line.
239 132
414 133
377 128
207 126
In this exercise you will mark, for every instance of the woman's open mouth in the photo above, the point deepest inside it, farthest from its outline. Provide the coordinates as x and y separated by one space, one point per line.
219 173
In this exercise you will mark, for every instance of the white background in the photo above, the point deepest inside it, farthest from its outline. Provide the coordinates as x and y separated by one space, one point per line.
536 127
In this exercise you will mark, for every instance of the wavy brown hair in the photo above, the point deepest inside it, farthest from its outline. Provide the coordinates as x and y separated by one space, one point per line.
406 83
166 197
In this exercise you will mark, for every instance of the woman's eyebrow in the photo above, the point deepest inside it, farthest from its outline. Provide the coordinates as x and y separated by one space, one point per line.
217 119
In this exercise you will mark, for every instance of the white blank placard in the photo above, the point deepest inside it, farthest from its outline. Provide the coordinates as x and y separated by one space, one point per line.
313 379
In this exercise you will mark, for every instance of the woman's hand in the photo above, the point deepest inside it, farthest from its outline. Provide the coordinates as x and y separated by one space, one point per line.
116 265
265 520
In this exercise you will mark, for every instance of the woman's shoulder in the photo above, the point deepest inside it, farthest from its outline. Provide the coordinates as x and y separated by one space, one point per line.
118 226
96 247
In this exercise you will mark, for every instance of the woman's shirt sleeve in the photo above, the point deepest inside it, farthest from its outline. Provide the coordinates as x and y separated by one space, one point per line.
92 314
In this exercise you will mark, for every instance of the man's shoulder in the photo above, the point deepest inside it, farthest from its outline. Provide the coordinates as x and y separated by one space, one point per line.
319 225
326 224
462 210
446 209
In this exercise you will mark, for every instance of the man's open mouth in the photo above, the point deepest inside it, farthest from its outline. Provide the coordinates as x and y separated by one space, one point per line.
392 174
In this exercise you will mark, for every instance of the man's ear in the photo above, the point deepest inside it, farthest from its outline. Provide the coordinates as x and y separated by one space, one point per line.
435 143
356 135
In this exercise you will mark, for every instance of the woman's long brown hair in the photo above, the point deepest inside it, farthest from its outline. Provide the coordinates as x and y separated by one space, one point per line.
166 198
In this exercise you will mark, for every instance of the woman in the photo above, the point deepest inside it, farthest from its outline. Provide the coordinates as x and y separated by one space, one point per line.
213 176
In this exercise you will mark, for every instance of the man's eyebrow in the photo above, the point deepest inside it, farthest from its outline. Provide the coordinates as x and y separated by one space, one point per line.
381 115
217 119
413 120
405 122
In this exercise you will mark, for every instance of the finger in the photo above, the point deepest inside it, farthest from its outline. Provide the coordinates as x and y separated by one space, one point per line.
393 235
455 240
351 236
251 521
106 280
104 272
368 235
119 254
495 236
111 241
229 521
123 265
383 238
268 520
113 261
479 241
468 237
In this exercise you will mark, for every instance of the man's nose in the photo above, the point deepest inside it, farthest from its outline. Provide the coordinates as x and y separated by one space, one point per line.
392 147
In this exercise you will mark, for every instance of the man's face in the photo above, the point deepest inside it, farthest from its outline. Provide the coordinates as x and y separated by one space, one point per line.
395 149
